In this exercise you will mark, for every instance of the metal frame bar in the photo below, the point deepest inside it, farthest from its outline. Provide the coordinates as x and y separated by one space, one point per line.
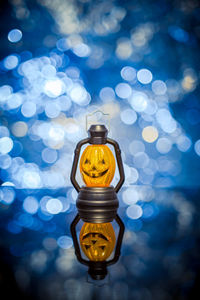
75 240
119 163
75 163
119 242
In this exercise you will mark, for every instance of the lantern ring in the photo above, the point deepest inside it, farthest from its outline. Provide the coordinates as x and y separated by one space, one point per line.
97 204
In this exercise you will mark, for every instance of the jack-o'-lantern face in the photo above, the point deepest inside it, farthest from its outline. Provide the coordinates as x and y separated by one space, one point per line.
97 240
97 165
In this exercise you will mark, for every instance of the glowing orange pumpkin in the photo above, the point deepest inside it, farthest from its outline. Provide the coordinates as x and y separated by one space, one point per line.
97 165
97 240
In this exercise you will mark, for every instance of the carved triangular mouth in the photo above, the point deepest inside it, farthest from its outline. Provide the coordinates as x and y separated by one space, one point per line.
96 176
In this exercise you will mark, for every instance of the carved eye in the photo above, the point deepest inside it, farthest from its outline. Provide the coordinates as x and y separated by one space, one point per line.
103 162
87 247
102 247
87 161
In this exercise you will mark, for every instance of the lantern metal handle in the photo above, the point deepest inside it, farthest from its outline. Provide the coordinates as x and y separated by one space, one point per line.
93 113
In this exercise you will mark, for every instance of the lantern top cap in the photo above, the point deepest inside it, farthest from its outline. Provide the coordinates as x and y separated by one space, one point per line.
98 134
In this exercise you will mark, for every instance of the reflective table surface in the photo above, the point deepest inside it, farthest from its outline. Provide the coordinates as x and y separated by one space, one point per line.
160 255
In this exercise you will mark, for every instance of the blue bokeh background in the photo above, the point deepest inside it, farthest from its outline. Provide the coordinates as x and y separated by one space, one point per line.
139 63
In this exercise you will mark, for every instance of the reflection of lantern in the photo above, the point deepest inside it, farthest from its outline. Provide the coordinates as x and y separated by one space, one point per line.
97 165
97 240
97 202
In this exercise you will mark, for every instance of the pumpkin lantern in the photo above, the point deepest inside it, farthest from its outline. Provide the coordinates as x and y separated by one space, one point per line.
97 202
97 240
97 165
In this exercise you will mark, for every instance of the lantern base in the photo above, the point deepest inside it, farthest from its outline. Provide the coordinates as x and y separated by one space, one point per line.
97 270
97 204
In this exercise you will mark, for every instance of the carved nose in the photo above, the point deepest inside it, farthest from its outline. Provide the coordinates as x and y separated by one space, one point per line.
93 168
